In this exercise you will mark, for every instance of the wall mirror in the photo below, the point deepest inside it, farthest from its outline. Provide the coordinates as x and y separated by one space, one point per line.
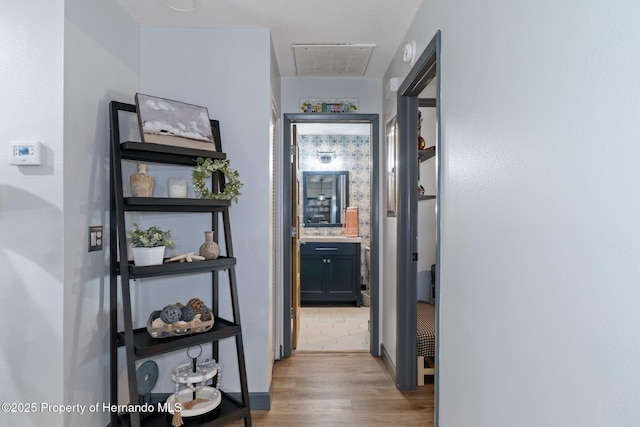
325 196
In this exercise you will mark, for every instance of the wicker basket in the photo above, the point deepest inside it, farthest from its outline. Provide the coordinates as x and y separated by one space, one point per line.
177 328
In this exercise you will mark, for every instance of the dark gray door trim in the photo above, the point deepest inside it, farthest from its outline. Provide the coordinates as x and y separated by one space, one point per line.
423 72
373 120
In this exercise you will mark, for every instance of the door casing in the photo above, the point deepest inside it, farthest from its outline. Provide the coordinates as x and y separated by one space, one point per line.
373 120
423 72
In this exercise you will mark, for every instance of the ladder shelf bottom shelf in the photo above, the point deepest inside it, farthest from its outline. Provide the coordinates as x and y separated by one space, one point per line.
230 410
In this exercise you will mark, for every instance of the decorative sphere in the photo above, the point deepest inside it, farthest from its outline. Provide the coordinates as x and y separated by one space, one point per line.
205 317
155 315
187 313
196 304
170 314
157 323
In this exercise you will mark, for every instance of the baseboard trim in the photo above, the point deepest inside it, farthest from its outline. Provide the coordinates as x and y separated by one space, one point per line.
391 368
258 401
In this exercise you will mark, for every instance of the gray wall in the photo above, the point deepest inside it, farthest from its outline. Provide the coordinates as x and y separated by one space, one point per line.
236 90
103 42
539 217
31 206
62 63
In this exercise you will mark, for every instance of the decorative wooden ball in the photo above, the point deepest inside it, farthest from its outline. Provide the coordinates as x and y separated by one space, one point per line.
187 313
158 323
170 314
205 317
196 304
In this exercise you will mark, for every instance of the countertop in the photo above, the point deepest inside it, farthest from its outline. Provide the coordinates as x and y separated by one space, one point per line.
330 239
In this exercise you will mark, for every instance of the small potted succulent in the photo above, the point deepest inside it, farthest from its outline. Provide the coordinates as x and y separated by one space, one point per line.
148 245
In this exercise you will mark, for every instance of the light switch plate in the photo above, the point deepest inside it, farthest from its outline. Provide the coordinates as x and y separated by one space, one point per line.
95 238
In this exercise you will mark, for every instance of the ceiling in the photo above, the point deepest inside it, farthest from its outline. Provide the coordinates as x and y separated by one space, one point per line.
382 23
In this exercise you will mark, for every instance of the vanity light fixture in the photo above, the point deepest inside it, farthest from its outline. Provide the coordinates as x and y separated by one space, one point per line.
326 156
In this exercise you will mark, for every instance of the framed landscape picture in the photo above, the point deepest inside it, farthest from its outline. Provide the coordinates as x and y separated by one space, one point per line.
167 122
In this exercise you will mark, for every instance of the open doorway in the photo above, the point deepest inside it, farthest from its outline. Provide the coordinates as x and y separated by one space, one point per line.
421 88
339 176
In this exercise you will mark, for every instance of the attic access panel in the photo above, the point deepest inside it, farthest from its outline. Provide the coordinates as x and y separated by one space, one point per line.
332 59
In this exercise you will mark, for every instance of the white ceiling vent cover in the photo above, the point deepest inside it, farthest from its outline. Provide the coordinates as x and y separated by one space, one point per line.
332 59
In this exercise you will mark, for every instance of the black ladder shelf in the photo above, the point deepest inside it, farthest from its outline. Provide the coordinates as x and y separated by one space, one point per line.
137 341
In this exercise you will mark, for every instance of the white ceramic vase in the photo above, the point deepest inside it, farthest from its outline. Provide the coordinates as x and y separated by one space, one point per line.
148 256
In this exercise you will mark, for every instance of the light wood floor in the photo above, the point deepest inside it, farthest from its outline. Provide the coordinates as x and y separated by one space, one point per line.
341 389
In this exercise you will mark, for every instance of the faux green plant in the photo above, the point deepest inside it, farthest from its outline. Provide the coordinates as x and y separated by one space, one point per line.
205 168
152 237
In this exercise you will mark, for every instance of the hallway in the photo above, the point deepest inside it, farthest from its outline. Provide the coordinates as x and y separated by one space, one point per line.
341 389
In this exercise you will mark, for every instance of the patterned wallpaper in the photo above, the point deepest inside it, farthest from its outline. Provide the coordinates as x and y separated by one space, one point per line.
353 155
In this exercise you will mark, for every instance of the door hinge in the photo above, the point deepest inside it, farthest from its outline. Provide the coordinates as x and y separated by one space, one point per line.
414 256
294 232
293 313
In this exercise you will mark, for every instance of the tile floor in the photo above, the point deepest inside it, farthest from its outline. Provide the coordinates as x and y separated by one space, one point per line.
334 329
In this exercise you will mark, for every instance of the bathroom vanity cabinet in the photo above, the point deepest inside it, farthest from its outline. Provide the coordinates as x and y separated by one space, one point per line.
329 273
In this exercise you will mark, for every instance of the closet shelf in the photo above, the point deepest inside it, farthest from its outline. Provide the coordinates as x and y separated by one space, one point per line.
425 154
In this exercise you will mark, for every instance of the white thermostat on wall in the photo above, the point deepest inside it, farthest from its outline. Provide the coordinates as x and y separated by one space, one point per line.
26 153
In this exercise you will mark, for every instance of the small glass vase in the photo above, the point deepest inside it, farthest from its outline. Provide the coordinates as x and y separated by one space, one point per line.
209 249
177 187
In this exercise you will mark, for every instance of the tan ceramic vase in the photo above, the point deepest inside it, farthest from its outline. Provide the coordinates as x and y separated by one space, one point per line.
141 182
209 249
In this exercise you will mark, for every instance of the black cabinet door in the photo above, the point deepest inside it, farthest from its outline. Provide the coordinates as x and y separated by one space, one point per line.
312 277
340 278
